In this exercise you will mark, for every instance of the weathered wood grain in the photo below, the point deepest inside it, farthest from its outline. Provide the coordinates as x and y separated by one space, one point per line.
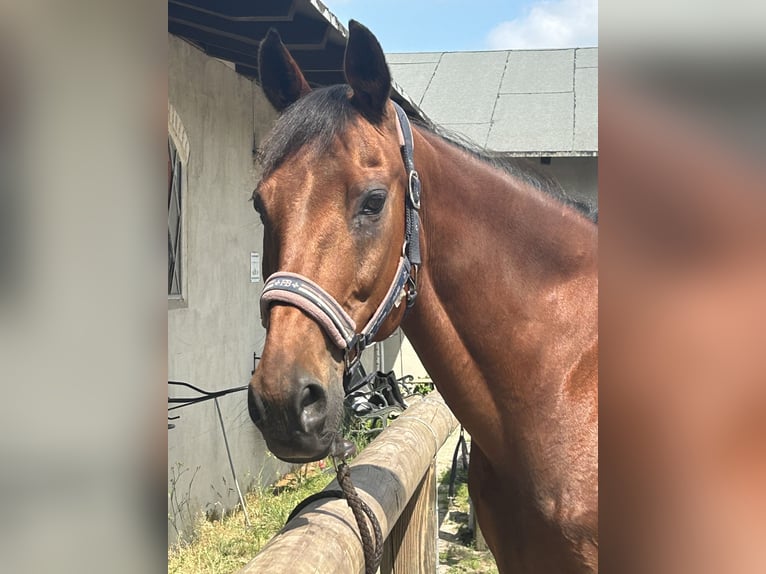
412 544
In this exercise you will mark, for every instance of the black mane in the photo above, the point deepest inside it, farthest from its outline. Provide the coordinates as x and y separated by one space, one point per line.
519 167
315 120
323 114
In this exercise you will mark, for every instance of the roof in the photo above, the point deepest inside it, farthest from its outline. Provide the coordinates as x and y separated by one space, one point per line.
521 102
232 30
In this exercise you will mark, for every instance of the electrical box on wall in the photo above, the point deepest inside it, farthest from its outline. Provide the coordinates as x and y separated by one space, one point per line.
255 267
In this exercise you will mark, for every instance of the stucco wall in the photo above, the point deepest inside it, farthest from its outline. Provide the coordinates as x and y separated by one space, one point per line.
577 175
212 335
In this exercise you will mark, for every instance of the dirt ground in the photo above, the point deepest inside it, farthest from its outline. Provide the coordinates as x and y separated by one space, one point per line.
457 547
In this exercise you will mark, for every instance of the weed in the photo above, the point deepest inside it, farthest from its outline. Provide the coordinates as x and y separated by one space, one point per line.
178 503
465 560
224 545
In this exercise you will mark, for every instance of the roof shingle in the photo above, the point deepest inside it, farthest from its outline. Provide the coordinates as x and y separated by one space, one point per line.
522 102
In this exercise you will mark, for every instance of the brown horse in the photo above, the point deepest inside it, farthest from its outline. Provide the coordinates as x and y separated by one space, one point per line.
501 300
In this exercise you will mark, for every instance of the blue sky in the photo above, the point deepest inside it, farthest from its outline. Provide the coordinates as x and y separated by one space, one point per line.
456 25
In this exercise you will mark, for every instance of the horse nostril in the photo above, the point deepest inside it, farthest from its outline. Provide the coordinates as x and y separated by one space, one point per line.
252 406
312 406
311 397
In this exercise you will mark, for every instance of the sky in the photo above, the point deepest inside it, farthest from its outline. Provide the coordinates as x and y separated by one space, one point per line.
459 25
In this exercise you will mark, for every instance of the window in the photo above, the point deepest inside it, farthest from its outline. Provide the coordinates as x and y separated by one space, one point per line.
178 158
174 220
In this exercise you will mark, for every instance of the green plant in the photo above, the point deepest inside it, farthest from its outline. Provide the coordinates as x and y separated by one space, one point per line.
224 545
221 543
423 388
178 503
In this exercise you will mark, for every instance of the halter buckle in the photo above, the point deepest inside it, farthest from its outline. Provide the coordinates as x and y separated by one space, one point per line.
353 353
414 189
353 378
412 292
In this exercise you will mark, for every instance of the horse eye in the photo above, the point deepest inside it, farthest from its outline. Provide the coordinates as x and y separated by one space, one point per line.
373 204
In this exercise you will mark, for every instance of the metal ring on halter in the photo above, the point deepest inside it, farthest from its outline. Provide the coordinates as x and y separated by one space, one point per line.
353 353
412 292
414 195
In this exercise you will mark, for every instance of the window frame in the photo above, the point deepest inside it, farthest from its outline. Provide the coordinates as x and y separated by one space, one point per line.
178 158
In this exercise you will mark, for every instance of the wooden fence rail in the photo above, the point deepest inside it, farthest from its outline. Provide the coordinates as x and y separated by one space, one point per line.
395 475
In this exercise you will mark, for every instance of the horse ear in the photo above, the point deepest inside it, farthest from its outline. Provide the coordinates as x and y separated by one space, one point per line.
366 72
281 78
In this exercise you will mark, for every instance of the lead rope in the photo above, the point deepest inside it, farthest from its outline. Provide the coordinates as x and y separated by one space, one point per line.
372 549
453 471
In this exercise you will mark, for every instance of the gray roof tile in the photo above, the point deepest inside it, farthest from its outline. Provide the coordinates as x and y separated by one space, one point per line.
586 57
535 71
532 122
586 109
415 76
464 87
529 102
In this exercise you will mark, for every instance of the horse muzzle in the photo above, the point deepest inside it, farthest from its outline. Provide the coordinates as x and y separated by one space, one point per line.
300 428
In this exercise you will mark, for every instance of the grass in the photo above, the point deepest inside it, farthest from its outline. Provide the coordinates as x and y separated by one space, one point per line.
465 560
226 545
458 508
223 546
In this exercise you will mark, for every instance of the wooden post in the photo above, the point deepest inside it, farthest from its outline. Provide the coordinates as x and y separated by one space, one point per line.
324 538
411 546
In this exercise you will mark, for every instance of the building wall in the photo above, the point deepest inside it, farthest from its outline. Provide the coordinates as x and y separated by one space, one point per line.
400 357
214 331
577 175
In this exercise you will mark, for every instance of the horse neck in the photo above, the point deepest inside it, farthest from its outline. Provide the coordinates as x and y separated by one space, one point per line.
496 216
495 252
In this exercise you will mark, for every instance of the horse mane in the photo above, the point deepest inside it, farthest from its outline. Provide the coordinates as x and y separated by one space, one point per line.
519 167
323 114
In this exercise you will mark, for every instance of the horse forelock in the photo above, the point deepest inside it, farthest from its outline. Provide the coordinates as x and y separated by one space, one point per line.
315 120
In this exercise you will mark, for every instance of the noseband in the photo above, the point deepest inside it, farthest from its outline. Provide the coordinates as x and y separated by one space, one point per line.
303 293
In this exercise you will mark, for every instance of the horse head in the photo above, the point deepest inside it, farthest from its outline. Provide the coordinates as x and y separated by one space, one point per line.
332 203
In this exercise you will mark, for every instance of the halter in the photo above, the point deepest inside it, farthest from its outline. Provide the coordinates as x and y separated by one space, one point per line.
302 292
